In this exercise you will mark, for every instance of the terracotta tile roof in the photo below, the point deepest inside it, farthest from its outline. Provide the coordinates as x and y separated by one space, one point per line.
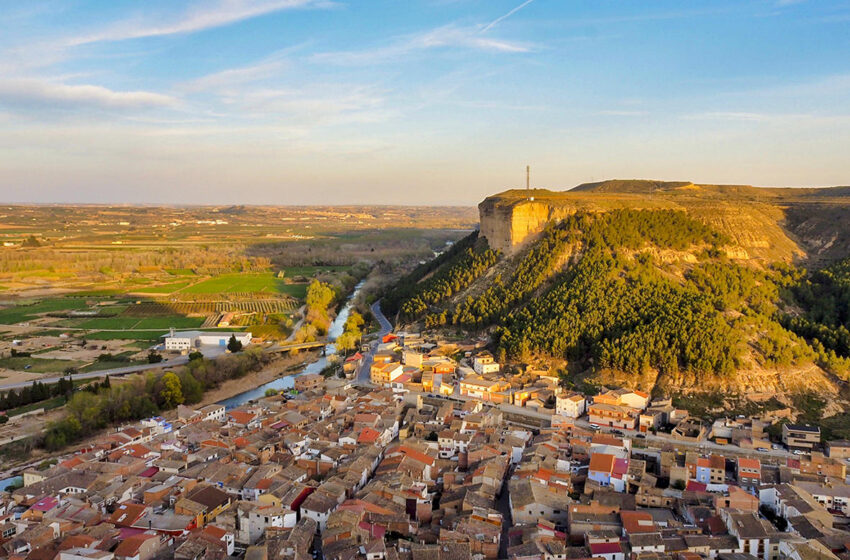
602 462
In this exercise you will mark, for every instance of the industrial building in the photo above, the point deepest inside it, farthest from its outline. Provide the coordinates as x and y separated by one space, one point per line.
190 340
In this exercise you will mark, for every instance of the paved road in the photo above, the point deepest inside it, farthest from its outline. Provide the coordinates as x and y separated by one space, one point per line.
179 360
209 352
386 328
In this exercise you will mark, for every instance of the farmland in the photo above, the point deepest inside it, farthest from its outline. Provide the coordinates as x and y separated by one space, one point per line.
230 283
113 280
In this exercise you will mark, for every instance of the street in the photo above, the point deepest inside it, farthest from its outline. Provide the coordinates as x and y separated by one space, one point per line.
386 328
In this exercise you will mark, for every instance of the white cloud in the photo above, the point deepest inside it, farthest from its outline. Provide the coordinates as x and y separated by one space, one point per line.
46 94
201 17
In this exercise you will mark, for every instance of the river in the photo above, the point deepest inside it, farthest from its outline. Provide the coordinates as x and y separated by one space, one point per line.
287 382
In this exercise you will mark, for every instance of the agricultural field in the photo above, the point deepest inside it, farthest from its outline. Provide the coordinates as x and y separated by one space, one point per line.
234 283
38 365
26 311
106 275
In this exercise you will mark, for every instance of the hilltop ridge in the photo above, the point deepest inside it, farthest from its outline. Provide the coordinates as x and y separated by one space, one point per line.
765 223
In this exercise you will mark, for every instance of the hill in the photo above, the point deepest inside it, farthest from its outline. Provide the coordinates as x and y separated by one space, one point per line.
670 287
765 224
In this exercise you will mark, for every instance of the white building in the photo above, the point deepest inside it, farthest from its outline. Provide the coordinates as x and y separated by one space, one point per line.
484 363
188 340
571 405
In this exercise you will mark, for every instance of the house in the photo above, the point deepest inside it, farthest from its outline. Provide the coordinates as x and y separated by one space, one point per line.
138 547
753 534
612 415
483 363
749 472
384 374
308 382
839 449
213 413
530 501
318 506
481 388
623 397
203 503
799 436
570 405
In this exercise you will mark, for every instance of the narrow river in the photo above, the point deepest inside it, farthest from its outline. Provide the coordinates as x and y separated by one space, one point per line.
287 382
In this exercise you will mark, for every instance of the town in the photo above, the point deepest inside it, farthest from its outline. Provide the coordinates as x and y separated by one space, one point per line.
424 449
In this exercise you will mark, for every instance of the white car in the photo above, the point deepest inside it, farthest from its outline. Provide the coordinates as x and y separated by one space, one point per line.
595 426
797 452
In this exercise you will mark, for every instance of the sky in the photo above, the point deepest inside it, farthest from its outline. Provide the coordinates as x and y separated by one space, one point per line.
434 102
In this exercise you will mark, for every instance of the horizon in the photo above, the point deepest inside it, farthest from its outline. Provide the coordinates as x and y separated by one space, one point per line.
423 103
160 204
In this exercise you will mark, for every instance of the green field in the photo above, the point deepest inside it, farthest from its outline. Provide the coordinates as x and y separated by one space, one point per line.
163 288
38 365
133 323
100 366
180 271
20 313
230 283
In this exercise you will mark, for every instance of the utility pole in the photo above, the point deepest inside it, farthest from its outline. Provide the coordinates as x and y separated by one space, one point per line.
528 179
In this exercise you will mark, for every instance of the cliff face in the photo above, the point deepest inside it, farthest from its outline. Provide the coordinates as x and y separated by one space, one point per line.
507 227
765 224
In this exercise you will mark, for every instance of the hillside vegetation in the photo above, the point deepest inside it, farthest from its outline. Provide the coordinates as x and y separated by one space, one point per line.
646 295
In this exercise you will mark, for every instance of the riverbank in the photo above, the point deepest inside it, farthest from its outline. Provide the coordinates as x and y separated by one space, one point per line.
279 367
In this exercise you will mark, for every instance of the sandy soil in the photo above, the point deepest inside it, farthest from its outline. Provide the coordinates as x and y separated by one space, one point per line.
273 370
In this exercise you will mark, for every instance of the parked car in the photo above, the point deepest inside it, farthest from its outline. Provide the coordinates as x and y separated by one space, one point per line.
595 426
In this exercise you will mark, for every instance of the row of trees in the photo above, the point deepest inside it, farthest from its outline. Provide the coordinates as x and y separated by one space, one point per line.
36 392
145 395
317 320
352 332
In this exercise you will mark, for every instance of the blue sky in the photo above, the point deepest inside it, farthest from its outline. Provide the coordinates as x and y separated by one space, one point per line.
414 101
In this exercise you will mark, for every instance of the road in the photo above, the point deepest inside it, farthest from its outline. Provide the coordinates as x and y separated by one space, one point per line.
209 352
386 328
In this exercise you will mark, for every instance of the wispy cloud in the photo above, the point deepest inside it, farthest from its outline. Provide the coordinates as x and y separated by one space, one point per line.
201 17
502 18
447 36
267 68
36 93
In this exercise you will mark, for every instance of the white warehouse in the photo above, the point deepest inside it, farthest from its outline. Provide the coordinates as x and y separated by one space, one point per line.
188 340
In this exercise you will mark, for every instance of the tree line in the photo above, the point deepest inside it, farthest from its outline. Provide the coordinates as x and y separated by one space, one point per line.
144 395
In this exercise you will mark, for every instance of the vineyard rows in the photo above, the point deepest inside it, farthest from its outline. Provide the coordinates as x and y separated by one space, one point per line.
153 308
